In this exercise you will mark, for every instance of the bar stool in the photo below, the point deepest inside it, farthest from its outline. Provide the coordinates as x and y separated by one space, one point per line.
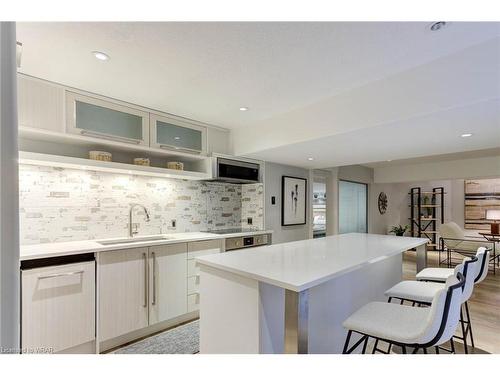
440 275
408 326
422 293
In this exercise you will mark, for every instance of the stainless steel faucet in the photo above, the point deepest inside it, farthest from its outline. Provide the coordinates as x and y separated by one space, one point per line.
132 228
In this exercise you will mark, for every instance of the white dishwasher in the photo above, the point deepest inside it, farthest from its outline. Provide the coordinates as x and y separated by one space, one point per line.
58 304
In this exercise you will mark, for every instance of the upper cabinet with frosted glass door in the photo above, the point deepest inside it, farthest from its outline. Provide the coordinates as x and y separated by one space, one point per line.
106 119
178 135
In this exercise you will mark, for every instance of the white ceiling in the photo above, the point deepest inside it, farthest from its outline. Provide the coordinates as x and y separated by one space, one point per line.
343 93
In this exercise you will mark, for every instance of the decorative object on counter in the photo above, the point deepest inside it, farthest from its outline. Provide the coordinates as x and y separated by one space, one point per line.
293 200
100 155
382 203
481 196
399 230
175 165
495 216
142 161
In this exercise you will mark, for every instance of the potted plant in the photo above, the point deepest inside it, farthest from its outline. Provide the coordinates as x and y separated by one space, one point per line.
399 230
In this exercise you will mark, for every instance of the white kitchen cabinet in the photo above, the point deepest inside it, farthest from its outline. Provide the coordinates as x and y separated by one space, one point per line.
193 284
106 119
171 133
193 302
167 285
58 307
123 292
218 141
40 104
196 249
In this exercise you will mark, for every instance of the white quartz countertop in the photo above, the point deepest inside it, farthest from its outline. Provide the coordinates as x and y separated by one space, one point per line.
53 249
301 265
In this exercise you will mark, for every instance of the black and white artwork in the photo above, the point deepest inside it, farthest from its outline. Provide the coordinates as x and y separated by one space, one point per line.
293 200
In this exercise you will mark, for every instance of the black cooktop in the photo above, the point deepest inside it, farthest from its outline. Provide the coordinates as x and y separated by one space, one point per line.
230 230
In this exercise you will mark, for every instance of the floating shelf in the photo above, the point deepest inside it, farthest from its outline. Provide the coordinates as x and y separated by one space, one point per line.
426 205
430 192
33 158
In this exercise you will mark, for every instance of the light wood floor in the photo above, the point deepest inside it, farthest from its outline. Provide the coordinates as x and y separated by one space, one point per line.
484 305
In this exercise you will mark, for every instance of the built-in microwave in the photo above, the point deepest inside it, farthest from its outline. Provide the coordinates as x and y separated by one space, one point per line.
237 171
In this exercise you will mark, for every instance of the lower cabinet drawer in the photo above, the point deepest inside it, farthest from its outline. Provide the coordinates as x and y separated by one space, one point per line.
193 269
193 284
200 248
193 302
58 307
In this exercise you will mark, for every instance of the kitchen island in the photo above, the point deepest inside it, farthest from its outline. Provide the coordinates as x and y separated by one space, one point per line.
293 297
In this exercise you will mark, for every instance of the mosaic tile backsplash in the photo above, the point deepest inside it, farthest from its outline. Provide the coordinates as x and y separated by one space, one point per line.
58 205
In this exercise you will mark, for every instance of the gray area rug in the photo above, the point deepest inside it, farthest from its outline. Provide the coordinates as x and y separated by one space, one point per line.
179 340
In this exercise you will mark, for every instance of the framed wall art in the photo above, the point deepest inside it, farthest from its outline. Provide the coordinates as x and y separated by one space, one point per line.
293 200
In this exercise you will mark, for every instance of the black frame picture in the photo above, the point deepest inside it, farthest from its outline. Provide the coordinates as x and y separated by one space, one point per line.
291 202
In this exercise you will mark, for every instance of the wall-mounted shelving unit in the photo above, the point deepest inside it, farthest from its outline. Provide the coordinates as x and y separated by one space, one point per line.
424 216
32 158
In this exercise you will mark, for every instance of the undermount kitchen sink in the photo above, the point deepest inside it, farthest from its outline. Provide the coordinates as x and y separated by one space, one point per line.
117 241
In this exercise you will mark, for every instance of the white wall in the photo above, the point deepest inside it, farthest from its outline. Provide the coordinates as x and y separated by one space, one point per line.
273 174
9 211
398 211
396 181
356 173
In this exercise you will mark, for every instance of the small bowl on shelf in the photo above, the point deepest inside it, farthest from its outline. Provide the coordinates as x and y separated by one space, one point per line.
100 155
142 161
175 165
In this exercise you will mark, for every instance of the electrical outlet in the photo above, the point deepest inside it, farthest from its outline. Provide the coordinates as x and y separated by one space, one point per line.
273 200
249 220
173 223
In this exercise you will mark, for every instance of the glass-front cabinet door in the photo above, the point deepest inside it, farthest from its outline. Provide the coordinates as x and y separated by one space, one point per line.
173 134
107 120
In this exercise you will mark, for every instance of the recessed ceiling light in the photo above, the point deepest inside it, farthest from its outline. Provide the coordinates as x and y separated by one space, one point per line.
437 25
310 159
177 138
466 135
243 109
100 56
389 160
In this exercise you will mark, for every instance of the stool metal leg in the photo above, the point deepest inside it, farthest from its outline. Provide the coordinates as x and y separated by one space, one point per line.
464 333
375 346
346 345
365 345
469 324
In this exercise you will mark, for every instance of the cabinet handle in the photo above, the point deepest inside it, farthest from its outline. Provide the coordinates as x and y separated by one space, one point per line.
154 278
109 137
145 279
60 275
183 149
